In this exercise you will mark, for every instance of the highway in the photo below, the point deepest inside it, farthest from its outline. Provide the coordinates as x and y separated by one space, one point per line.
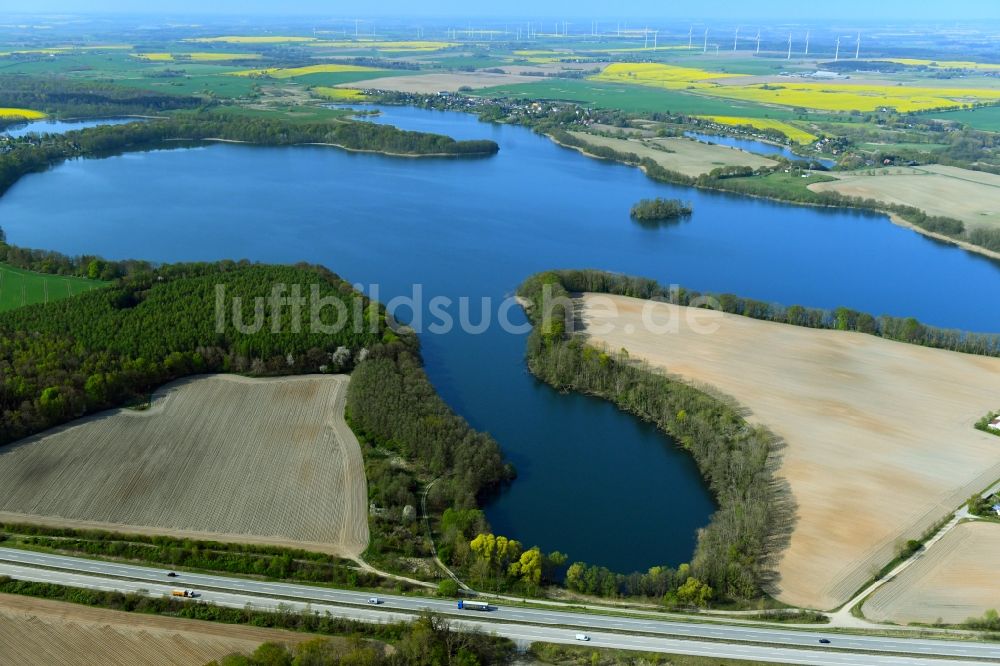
520 624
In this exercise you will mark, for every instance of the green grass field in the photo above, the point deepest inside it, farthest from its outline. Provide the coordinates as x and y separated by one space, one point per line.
639 99
985 118
20 287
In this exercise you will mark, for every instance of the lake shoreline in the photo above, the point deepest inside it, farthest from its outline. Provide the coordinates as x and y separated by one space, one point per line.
894 218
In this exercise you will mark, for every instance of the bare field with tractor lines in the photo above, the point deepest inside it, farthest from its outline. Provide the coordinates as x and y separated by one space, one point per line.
222 457
955 580
686 156
970 196
879 435
51 633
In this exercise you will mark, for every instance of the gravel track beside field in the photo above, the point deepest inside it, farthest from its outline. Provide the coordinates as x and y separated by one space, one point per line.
221 457
880 443
955 580
51 633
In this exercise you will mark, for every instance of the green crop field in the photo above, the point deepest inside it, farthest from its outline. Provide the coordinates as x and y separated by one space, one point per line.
220 85
337 78
984 118
635 98
20 287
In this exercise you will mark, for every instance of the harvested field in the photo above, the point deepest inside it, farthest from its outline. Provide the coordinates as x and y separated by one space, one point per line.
52 633
880 437
450 81
686 156
955 580
219 457
970 196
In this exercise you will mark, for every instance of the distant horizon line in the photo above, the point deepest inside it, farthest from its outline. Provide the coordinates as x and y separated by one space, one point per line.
245 14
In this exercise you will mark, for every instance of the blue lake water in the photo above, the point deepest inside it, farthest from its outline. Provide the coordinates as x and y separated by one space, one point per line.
594 483
757 147
49 126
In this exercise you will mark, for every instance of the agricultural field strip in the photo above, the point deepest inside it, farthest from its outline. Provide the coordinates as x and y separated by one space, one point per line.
829 96
861 417
683 155
237 470
433 82
39 631
80 570
970 196
953 581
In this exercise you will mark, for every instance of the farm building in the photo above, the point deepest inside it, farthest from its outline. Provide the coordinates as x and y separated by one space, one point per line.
995 423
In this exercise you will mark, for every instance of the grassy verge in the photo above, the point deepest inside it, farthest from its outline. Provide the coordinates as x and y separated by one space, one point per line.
271 562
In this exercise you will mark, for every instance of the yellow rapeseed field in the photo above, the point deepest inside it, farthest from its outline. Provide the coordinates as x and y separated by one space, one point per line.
945 64
659 76
339 94
848 97
820 96
55 50
250 39
791 131
200 57
26 114
386 46
292 72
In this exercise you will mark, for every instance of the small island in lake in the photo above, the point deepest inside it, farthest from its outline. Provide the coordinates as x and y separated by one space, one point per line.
655 210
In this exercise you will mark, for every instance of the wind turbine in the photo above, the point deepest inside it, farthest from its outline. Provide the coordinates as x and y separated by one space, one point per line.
758 43
736 38
705 48
857 52
690 35
807 42
789 47
836 55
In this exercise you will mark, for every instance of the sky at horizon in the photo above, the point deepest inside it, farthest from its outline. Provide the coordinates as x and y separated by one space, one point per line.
896 11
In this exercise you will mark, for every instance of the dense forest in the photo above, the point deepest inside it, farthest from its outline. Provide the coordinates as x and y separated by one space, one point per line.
30 154
107 347
395 411
68 98
902 329
732 558
655 210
